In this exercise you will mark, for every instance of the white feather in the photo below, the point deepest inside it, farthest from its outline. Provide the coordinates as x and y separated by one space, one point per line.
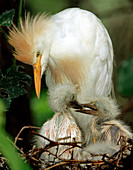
81 35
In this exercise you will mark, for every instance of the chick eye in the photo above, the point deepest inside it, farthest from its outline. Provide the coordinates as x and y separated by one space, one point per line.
94 107
37 54
93 104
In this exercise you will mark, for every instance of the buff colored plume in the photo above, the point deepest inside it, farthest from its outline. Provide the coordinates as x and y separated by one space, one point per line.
23 39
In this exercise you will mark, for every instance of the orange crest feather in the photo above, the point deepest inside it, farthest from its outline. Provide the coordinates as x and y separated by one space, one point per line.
24 38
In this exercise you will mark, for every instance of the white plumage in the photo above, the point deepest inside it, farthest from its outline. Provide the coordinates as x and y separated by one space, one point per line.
61 128
82 51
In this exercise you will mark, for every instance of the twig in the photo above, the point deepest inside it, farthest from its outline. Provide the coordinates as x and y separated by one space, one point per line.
68 137
57 165
25 127
77 161
35 133
55 143
65 150
16 147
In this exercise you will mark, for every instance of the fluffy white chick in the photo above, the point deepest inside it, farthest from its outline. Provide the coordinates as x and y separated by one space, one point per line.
103 133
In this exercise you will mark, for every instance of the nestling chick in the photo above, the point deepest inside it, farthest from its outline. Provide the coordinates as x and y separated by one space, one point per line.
106 133
61 128
103 126
102 134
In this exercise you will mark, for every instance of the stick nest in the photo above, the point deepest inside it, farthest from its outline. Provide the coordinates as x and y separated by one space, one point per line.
119 160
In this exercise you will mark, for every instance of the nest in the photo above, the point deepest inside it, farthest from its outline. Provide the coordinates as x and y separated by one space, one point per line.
120 160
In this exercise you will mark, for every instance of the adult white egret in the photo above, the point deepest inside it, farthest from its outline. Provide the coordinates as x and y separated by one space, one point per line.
71 46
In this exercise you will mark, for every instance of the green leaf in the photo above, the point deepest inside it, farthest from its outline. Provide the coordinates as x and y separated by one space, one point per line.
125 78
9 151
12 84
7 101
15 83
6 18
2 115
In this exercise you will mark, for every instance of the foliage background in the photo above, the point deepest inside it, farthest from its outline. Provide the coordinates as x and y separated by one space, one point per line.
116 15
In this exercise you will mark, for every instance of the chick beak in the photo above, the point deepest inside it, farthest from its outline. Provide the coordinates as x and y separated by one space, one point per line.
84 108
37 75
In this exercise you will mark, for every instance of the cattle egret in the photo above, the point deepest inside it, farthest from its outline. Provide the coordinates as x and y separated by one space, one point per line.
104 134
71 46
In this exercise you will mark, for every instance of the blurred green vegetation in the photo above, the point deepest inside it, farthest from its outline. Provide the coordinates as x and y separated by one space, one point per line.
99 7
8 152
125 78
102 7
2 115
50 6
40 108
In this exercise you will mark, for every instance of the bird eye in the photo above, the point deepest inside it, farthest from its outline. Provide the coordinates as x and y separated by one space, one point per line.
37 54
93 106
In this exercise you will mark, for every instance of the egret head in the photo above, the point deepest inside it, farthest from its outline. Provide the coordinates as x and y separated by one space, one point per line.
29 44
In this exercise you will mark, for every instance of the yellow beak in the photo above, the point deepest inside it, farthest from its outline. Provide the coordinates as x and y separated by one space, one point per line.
37 76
